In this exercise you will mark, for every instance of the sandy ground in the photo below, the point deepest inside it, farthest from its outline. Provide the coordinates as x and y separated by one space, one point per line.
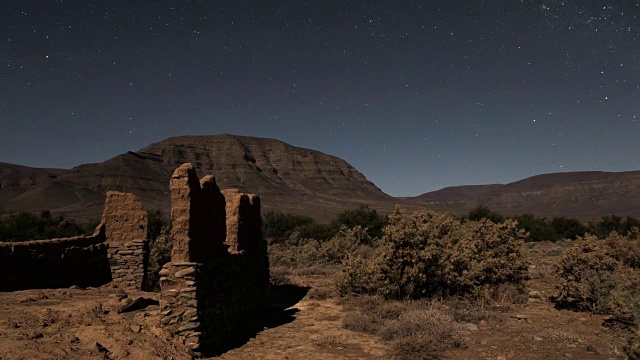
84 324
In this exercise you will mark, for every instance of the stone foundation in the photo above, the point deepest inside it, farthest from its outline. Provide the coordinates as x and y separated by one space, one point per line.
128 262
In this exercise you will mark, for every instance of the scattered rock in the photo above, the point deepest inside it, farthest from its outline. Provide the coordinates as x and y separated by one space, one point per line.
471 326
535 294
593 349
536 338
137 304
71 338
520 317
136 328
101 349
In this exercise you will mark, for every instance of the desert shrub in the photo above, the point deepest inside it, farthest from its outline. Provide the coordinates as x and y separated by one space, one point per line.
159 254
596 277
279 226
363 217
567 228
316 231
538 228
300 253
26 226
429 254
415 329
632 348
157 221
423 334
483 212
611 223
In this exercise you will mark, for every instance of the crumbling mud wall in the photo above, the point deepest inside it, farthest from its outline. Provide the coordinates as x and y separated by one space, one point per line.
126 236
55 263
218 274
116 251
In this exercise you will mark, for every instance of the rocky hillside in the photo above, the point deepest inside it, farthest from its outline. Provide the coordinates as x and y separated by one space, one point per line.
584 195
287 178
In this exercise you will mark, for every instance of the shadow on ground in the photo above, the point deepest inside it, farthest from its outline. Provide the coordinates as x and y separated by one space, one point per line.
279 312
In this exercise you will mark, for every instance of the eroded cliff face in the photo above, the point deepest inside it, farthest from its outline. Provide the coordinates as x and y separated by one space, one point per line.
264 165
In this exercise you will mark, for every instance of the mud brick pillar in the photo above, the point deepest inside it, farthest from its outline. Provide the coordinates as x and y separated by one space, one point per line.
218 273
125 224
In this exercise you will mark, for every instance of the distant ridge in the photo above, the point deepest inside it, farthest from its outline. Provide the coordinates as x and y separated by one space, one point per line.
299 180
585 195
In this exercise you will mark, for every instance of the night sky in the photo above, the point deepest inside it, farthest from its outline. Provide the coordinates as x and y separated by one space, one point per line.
416 95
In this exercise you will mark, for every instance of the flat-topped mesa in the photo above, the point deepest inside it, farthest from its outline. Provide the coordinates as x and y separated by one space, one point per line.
197 216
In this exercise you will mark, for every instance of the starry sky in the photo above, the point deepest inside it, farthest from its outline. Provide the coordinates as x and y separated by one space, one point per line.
417 95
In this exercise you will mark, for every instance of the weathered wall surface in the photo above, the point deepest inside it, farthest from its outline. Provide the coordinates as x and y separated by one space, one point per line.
218 272
126 236
55 263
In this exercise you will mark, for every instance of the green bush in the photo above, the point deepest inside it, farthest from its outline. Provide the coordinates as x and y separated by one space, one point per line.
602 277
611 223
278 226
567 228
26 226
538 228
483 212
364 217
159 254
429 254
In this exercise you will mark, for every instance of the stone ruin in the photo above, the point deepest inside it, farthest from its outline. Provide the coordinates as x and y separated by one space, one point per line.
125 224
219 268
116 251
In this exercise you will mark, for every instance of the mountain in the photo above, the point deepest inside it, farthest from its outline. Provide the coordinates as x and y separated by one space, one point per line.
298 180
583 195
287 178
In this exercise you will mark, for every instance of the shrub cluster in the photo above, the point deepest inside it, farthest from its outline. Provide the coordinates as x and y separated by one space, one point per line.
279 227
429 254
26 226
602 276
160 246
559 228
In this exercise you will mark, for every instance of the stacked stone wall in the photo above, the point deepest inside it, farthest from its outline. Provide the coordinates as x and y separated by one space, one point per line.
218 274
55 263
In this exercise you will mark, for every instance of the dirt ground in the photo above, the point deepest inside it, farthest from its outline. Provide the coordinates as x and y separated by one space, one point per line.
84 324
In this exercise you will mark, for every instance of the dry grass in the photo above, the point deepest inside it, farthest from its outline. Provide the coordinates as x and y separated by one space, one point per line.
564 336
330 342
415 329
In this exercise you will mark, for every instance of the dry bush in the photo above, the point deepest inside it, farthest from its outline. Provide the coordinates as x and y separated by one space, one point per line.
423 334
279 275
320 293
600 276
311 257
159 254
632 348
429 254
416 329
357 321
328 341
